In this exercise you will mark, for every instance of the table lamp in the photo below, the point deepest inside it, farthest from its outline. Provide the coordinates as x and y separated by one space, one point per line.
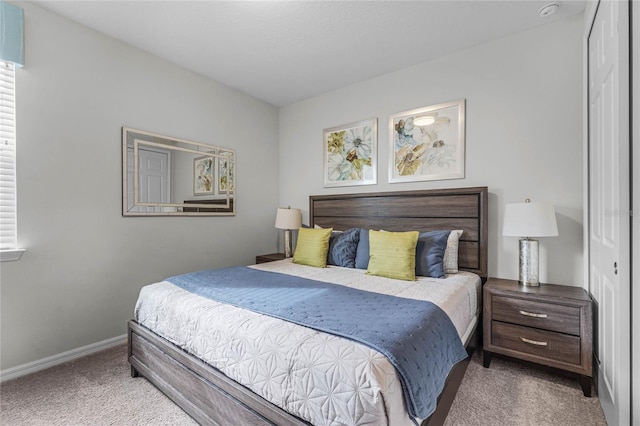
527 220
288 219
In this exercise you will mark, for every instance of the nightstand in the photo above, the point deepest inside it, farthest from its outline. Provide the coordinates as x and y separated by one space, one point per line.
264 258
549 325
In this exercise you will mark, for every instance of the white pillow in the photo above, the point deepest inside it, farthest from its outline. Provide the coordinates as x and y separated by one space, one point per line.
450 260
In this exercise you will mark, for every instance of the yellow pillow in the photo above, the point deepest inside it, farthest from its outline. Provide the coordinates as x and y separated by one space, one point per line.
312 247
393 254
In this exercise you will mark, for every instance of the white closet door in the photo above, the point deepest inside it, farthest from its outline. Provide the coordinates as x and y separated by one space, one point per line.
609 210
635 172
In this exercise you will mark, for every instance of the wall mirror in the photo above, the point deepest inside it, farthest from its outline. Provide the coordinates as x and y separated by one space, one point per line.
165 176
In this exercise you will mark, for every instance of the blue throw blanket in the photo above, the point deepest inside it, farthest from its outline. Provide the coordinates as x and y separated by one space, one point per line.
416 336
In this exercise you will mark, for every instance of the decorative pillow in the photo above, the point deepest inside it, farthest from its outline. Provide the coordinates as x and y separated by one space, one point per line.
312 247
334 234
451 253
362 254
343 247
430 253
393 254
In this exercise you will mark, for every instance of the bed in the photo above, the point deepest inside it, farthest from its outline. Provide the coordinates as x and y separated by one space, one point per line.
212 397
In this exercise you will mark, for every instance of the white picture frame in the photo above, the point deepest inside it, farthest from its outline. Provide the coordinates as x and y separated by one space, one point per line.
432 150
350 153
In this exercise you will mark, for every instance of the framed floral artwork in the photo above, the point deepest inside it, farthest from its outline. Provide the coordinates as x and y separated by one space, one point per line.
427 143
350 154
203 183
226 172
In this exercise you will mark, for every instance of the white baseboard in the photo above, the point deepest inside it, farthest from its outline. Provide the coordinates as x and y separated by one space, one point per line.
32 367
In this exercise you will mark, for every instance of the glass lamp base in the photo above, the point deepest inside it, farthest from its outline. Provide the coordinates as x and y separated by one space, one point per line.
528 271
288 244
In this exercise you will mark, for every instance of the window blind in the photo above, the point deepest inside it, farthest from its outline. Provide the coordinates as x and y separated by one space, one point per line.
8 219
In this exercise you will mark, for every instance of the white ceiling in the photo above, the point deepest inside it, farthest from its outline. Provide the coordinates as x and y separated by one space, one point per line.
286 51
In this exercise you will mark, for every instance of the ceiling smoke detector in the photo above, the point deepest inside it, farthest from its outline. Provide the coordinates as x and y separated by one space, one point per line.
548 9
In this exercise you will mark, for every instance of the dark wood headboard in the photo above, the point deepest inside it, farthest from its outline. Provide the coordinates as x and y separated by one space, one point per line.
426 210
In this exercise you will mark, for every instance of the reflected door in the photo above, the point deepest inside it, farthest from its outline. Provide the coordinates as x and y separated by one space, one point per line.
154 178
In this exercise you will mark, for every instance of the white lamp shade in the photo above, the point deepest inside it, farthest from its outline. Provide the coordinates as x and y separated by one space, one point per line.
530 220
288 218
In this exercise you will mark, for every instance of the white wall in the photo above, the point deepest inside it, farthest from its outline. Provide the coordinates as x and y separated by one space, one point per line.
523 134
85 263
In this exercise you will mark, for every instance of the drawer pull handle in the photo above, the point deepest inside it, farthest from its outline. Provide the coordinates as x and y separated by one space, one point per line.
529 314
533 342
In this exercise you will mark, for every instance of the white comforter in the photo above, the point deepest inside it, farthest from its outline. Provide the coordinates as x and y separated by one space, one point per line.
321 378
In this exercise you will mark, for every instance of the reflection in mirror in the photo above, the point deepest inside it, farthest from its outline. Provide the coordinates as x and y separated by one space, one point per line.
165 176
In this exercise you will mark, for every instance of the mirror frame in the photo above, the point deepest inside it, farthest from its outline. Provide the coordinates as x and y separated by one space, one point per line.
206 207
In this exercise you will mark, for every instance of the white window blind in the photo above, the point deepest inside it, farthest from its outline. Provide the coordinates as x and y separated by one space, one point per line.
8 219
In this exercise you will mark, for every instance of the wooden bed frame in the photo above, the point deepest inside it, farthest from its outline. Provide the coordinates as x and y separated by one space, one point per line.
211 398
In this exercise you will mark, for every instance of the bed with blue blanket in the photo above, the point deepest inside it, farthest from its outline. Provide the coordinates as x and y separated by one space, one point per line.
288 343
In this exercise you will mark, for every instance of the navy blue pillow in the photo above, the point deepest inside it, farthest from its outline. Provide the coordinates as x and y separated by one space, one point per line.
343 247
430 253
362 255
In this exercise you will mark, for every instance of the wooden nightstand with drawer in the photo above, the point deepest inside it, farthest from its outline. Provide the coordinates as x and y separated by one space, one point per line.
549 325
272 257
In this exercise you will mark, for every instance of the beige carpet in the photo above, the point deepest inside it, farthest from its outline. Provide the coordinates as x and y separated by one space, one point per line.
98 390
510 393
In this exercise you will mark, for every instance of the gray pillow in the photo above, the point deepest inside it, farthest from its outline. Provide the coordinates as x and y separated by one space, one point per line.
362 255
430 253
343 247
